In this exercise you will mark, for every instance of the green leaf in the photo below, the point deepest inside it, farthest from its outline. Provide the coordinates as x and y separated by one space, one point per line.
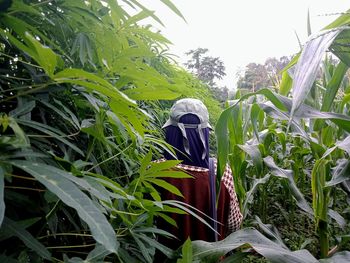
306 112
135 2
187 256
211 252
168 174
308 64
153 192
54 179
254 153
221 128
138 17
45 57
153 230
55 133
152 93
4 258
342 20
154 243
165 185
7 233
72 119
97 254
110 184
343 256
188 209
340 173
254 117
250 194
343 144
340 47
20 140
27 238
24 109
173 8
74 76
161 166
309 31
145 163
142 248
338 218
279 172
286 83
333 86
271 232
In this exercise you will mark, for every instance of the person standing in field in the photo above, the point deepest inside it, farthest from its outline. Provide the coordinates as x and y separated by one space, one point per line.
187 131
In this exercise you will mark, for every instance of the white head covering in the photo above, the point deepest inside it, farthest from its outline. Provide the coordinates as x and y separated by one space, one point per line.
189 106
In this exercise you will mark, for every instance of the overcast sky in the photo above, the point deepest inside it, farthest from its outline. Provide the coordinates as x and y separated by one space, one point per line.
243 31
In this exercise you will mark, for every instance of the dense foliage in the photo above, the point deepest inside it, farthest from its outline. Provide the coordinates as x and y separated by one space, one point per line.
80 84
84 91
290 154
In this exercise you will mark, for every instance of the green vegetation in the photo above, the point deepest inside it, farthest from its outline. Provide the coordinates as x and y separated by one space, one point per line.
84 89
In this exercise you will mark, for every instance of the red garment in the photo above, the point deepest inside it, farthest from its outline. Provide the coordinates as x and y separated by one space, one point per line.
196 192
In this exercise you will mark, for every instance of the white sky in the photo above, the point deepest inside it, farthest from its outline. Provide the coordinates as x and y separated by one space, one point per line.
243 31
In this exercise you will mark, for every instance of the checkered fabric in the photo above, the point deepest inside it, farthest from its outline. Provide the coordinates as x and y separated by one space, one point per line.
235 216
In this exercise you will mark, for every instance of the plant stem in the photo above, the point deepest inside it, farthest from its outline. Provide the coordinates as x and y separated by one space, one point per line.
323 234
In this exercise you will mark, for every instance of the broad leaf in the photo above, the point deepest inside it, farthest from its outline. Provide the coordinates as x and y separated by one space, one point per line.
211 252
45 57
308 64
164 184
343 256
250 194
27 238
279 172
254 153
54 179
186 250
340 173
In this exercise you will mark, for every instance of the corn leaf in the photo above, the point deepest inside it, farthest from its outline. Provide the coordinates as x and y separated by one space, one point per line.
254 153
342 20
343 256
307 67
340 173
286 83
288 174
333 86
250 194
211 252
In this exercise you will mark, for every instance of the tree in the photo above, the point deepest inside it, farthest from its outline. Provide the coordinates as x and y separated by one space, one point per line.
257 76
206 68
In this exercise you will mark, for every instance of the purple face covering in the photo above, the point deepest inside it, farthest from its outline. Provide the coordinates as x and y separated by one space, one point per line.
198 153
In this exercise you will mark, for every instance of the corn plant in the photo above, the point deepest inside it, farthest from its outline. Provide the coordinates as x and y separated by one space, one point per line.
299 143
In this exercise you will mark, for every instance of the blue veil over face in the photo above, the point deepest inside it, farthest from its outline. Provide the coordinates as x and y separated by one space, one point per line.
193 148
